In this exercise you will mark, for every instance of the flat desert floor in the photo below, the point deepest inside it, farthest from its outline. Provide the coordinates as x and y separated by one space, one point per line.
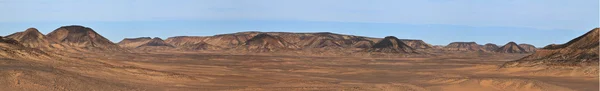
185 71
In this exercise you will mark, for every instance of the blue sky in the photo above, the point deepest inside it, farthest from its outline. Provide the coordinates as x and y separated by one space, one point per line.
439 22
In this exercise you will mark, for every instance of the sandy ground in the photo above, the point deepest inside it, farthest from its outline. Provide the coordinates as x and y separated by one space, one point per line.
191 71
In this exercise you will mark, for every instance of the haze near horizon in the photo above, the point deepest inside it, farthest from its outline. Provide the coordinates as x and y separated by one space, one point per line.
438 22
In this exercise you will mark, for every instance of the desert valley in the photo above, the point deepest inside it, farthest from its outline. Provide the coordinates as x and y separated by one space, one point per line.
77 58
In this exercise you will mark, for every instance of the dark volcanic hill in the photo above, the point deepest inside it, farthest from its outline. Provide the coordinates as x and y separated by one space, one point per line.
391 44
417 44
82 37
265 43
144 42
31 38
581 51
528 47
511 47
490 47
463 46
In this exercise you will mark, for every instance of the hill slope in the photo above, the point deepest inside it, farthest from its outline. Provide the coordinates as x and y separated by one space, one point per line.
581 51
391 44
265 43
144 42
490 47
463 46
417 44
528 47
31 38
10 48
81 37
511 47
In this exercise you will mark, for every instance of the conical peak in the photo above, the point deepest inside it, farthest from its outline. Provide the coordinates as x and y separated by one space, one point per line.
390 37
73 26
511 43
32 30
76 29
156 38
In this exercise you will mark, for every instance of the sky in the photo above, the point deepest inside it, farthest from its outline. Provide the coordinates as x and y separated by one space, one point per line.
438 22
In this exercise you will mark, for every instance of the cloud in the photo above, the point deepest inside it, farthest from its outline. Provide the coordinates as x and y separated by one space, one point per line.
541 14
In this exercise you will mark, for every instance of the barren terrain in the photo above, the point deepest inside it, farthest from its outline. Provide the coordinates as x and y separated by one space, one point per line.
268 71
76 58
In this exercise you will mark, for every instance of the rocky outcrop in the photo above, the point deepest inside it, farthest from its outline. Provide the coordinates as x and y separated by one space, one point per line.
490 47
306 41
13 49
581 51
391 44
267 43
528 47
511 47
417 44
144 42
463 46
81 37
32 38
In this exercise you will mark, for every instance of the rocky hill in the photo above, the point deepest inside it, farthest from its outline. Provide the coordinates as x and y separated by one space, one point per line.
511 47
13 49
581 51
528 47
307 41
81 37
391 44
463 46
267 43
144 42
490 47
417 44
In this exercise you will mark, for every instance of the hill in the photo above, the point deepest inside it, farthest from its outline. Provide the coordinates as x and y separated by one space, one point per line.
463 46
528 47
81 37
490 47
31 38
320 40
144 42
13 49
391 44
581 51
511 47
417 44
267 43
